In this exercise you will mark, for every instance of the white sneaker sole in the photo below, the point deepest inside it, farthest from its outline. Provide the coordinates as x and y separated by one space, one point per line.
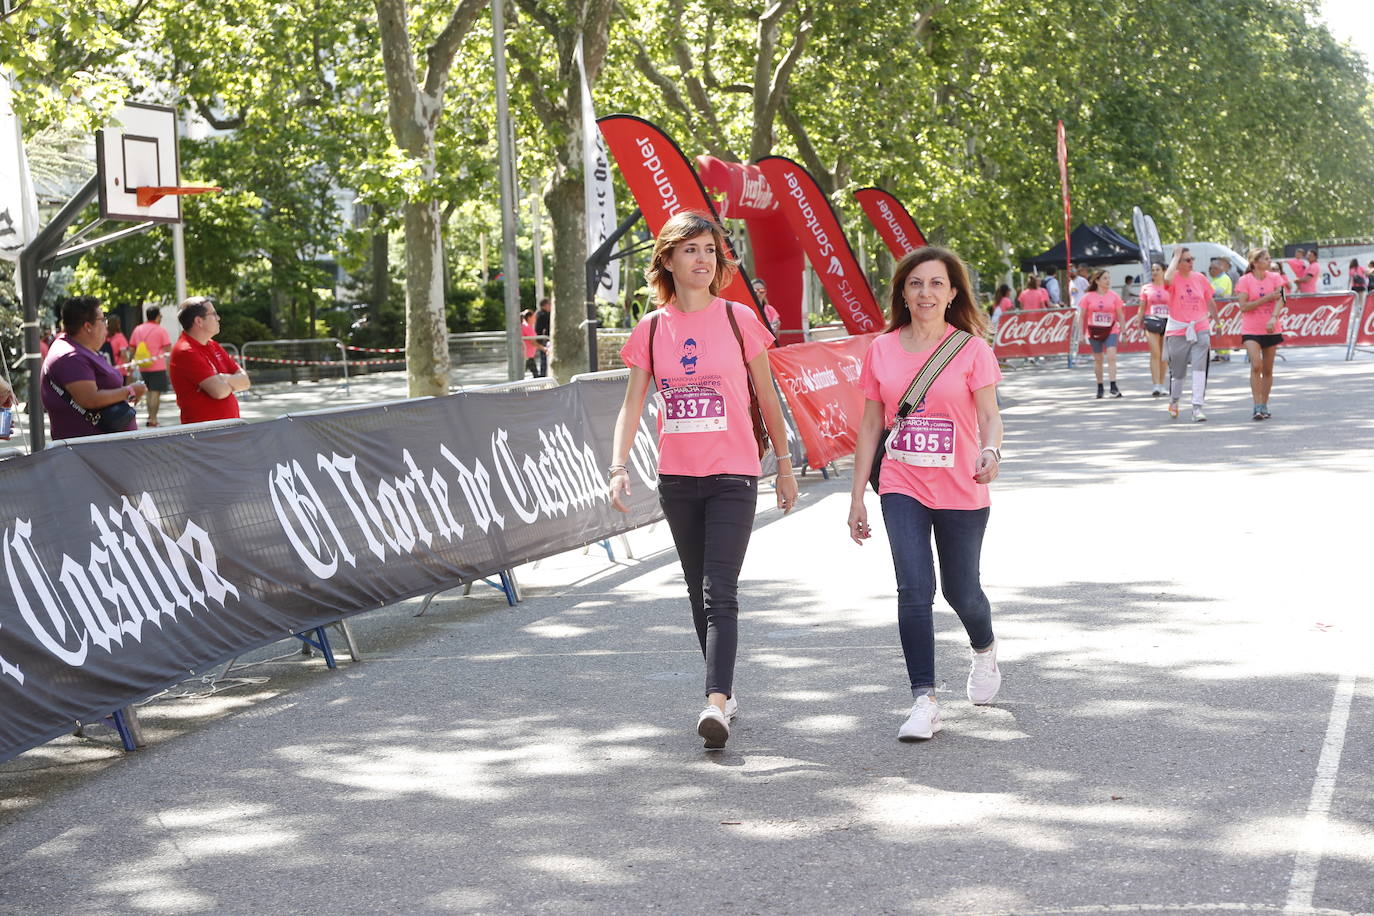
714 732
909 736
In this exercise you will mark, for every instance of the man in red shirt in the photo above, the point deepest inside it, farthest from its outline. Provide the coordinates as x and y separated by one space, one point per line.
204 377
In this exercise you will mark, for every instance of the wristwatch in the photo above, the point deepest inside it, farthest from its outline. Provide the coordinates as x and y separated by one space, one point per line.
996 452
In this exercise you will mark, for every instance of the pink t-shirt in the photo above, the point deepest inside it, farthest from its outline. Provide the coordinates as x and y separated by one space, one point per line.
155 335
774 319
1298 266
1155 299
887 373
527 333
1034 298
1100 304
1308 281
702 387
1254 321
1188 298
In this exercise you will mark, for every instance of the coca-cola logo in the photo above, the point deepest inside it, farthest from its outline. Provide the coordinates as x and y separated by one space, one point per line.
1043 327
1324 321
1367 326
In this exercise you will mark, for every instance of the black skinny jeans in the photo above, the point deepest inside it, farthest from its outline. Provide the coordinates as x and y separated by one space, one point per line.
711 519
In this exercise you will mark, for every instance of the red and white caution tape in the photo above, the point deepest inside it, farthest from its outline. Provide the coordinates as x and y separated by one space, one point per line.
377 349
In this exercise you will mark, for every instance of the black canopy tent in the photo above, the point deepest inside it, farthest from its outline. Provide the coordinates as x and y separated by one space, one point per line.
1095 246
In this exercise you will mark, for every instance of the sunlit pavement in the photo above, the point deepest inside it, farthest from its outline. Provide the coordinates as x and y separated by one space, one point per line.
1184 724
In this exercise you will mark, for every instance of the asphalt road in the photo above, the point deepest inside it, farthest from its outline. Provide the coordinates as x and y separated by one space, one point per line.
1184 725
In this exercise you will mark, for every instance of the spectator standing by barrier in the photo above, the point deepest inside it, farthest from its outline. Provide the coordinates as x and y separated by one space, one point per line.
81 391
937 463
770 313
542 322
1308 280
1001 305
157 342
1298 264
116 345
1033 297
1154 319
1051 287
1103 315
1080 285
1188 335
701 354
1221 289
1261 297
205 378
1359 279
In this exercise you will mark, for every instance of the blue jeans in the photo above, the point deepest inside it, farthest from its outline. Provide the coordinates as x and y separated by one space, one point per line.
711 519
959 541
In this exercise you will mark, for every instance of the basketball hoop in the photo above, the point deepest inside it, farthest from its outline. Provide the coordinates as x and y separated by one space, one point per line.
149 195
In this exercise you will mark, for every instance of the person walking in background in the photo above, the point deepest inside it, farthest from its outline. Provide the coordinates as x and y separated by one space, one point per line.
1080 285
1189 332
116 345
543 320
1221 289
1313 273
769 313
532 344
1001 304
1358 279
708 451
206 379
1298 264
79 387
157 343
1051 287
1261 294
1154 319
1103 315
936 467
1033 297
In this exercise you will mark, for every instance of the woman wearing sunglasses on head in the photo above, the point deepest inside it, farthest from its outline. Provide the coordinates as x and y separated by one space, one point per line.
700 354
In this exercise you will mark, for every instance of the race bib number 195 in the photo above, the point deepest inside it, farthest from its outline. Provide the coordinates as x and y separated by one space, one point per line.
692 409
925 442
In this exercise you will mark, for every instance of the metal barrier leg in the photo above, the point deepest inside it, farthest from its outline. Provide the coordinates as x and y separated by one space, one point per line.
121 725
625 545
606 546
347 631
321 642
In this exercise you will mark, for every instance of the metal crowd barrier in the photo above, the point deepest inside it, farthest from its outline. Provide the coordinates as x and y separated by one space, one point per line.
289 368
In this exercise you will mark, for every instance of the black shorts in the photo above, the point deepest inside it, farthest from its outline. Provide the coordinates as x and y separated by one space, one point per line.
155 380
1264 340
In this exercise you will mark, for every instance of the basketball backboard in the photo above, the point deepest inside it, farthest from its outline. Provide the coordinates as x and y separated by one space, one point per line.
138 150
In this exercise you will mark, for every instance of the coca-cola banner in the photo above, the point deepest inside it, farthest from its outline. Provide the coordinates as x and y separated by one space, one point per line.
898 230
1364 336
118 584
820 381
816 225
1131 340
663 182
1036 332
1310 320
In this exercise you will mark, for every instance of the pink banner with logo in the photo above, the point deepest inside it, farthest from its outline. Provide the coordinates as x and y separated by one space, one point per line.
821 383
1037 332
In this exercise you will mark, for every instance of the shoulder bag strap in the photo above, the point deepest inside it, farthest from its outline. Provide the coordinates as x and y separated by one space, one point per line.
91 416
739 338
653 329
942 357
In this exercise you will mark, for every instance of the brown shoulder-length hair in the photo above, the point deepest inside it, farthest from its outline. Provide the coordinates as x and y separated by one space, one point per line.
680 227
963 311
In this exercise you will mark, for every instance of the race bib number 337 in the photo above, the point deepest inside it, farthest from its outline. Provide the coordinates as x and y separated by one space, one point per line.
692 409
925 442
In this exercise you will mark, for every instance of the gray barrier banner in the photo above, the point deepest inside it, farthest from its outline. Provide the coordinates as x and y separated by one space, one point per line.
129 564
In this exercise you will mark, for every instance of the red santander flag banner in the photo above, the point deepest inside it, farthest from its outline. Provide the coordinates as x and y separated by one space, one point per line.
814 221
821 383
663 183
1314 320
1036 332
1062 148
899 231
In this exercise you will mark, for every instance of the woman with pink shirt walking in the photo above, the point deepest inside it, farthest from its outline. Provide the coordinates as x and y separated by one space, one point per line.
939 458
1154 319
701 355
1103 315
1034 296
1261 294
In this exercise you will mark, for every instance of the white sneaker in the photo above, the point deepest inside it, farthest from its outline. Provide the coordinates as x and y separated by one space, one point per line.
923 721
984 678
731 708
713 726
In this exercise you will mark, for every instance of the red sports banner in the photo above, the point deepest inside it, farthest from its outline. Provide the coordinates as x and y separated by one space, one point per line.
816 225
1037 332
663 182
899 231
1132 339
821 383
1308 320
1365 336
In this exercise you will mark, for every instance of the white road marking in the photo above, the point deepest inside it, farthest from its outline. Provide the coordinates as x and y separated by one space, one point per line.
1303 886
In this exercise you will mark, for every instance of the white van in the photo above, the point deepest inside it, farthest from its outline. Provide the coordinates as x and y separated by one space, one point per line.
1202 251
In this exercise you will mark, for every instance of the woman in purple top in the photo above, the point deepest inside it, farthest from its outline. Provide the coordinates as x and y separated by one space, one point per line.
73 365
